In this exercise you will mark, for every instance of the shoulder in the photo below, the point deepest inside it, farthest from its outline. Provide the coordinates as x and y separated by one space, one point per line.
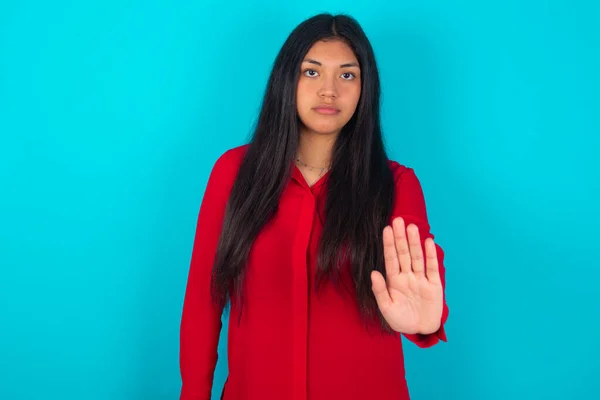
229 162
224 171
401 172
232 158
407 186
409 199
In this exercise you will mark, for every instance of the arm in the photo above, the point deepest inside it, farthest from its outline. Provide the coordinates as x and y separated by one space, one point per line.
410 205
201 319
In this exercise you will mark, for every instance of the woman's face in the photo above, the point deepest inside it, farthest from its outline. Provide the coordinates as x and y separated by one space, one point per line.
329 87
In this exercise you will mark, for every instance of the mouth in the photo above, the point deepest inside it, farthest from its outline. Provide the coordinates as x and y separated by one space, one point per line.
326 110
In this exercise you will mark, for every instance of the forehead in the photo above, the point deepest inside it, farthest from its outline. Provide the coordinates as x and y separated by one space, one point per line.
331 51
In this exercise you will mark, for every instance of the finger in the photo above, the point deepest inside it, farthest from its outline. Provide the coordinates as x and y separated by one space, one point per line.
380 290
392 267
416 251
433 270
402 250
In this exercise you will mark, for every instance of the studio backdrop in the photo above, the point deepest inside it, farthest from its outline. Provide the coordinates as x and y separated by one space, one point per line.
112 114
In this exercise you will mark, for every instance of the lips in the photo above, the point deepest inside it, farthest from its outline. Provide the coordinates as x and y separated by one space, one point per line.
327 110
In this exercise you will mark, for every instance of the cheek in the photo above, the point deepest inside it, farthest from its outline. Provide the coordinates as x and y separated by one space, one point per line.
353 94
351 97
304 94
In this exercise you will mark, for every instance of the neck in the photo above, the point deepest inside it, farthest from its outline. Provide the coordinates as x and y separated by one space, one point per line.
315 149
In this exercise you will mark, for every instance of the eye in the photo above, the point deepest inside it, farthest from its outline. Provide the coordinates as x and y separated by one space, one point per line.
310 73
348 76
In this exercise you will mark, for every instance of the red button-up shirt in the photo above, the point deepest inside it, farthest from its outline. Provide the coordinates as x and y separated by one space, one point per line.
291 342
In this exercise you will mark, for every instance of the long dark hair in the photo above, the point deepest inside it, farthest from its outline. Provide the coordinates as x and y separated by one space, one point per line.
360 186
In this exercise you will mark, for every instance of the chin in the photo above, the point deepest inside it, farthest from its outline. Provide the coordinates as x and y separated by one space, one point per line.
324 129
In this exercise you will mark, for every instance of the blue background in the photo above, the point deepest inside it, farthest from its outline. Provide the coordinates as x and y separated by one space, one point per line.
113 112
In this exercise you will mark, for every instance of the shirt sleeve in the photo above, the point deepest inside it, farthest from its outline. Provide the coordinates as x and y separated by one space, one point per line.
201 319
410 205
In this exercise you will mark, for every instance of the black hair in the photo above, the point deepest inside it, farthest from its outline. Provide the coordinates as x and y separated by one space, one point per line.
360 185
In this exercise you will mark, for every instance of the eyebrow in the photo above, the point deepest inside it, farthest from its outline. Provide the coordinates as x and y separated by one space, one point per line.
350 64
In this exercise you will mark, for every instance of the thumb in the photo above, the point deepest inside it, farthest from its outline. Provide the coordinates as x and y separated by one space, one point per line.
380 291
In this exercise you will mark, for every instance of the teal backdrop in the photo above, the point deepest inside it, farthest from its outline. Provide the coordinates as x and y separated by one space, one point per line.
112 114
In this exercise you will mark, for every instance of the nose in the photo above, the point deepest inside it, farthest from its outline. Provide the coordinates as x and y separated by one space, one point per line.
328 89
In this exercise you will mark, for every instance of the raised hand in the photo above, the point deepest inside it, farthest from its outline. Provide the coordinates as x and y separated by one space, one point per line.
411 296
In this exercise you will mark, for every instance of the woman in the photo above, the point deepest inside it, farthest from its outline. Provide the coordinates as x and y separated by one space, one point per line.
318 242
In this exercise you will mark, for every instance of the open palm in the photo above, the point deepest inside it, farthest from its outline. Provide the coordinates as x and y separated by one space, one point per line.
411 296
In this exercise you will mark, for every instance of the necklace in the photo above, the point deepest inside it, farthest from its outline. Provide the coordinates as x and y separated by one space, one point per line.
310 167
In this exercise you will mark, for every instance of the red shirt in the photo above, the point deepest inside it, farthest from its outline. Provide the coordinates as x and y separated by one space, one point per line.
291 343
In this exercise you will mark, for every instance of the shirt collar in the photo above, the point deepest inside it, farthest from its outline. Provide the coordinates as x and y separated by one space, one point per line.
299 178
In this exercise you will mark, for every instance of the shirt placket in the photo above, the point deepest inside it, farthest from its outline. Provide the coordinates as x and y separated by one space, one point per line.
300 295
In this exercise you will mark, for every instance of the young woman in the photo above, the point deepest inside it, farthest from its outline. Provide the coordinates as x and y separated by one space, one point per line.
319 243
